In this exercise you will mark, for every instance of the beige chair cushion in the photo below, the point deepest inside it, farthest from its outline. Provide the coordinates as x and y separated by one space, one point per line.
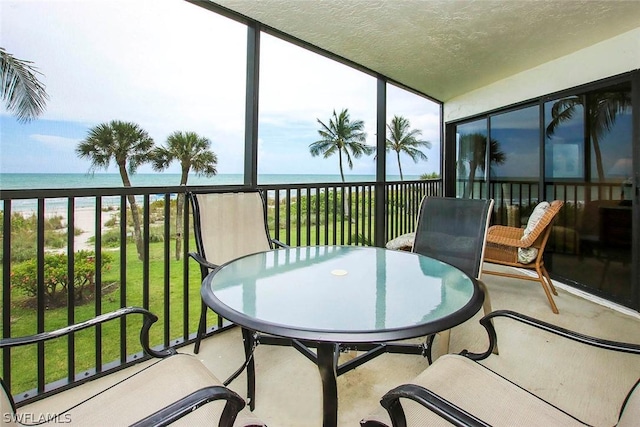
6 411
157 385
630 416
527 255
484 394
232 225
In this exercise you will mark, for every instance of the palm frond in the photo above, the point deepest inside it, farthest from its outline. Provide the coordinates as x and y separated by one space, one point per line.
24 95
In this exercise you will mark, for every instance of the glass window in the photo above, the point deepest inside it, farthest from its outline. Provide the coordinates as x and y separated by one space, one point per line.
515 145
610 135
471 147
413 136
564 132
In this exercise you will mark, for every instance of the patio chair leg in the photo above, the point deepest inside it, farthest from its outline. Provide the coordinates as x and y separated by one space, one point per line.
546 275
547 290
202 325
249 347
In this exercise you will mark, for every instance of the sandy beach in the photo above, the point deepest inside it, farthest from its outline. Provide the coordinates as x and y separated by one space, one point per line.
84 219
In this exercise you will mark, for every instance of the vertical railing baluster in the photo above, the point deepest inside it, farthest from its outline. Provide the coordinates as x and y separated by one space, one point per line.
298 216
98 279
167 266
276 215
41 291
287 217
308 217
71 318
356 200
6 290
123 273
145 258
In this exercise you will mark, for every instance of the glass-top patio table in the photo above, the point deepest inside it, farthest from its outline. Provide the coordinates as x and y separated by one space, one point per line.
327 296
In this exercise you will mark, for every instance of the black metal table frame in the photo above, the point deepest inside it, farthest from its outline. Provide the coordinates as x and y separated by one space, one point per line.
329 343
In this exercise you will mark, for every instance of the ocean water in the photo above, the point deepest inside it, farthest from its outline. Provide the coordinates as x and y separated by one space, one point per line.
37 181
24 181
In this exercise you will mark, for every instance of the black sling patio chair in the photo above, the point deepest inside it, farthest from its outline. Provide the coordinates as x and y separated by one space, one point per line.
176 387
227 225
453 230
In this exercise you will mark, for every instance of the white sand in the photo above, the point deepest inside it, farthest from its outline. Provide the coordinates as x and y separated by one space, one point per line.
84 220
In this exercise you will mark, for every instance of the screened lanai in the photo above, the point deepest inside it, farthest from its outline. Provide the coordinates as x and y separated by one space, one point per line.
551 84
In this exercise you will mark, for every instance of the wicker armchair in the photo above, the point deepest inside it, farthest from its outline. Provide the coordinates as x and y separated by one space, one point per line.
504 242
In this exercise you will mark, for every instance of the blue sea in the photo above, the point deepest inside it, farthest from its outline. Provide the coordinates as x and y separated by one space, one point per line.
31 181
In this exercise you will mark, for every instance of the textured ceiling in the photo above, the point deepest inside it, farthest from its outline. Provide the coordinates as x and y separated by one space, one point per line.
445 48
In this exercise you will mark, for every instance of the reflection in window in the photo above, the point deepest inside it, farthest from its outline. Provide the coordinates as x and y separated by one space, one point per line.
610 135
471 146
416 119
564 147
515 154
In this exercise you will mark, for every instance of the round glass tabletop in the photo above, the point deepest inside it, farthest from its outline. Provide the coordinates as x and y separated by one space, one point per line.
342 293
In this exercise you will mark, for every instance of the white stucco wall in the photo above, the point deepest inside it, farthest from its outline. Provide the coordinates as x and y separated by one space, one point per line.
608 58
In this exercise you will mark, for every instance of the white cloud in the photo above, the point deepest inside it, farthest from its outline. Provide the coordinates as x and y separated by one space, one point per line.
55 142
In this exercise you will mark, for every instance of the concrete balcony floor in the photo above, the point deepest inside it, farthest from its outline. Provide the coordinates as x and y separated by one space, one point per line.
586 382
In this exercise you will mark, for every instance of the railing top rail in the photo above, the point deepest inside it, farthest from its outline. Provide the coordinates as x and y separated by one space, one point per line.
14 194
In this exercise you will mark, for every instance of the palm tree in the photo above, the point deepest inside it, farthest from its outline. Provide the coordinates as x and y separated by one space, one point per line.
602 110
473 148
403 140
20 88
193 153
341 136
129 146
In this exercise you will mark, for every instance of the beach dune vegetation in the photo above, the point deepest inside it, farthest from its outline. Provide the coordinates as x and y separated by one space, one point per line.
24 229
56 281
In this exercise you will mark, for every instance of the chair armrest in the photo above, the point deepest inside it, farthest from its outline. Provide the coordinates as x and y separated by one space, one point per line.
506 236
430 400
192 402
278 243
203 262
148 320
487 323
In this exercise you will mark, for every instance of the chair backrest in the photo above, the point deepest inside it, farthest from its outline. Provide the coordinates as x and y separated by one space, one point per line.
539 234
454 231
229 225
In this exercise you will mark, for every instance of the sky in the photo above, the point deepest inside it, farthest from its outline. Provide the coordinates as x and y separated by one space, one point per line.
169 65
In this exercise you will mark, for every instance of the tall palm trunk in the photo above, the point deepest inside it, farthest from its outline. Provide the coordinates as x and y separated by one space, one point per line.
399 166
345 202
179 214
135 215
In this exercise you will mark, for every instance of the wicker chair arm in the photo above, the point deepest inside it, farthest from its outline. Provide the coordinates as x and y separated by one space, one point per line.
507 236
148 320
192 402
430 400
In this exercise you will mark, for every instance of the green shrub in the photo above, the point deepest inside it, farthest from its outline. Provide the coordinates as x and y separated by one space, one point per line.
56 282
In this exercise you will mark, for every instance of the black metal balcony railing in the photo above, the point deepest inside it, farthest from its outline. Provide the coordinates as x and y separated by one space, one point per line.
168 285
151 277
